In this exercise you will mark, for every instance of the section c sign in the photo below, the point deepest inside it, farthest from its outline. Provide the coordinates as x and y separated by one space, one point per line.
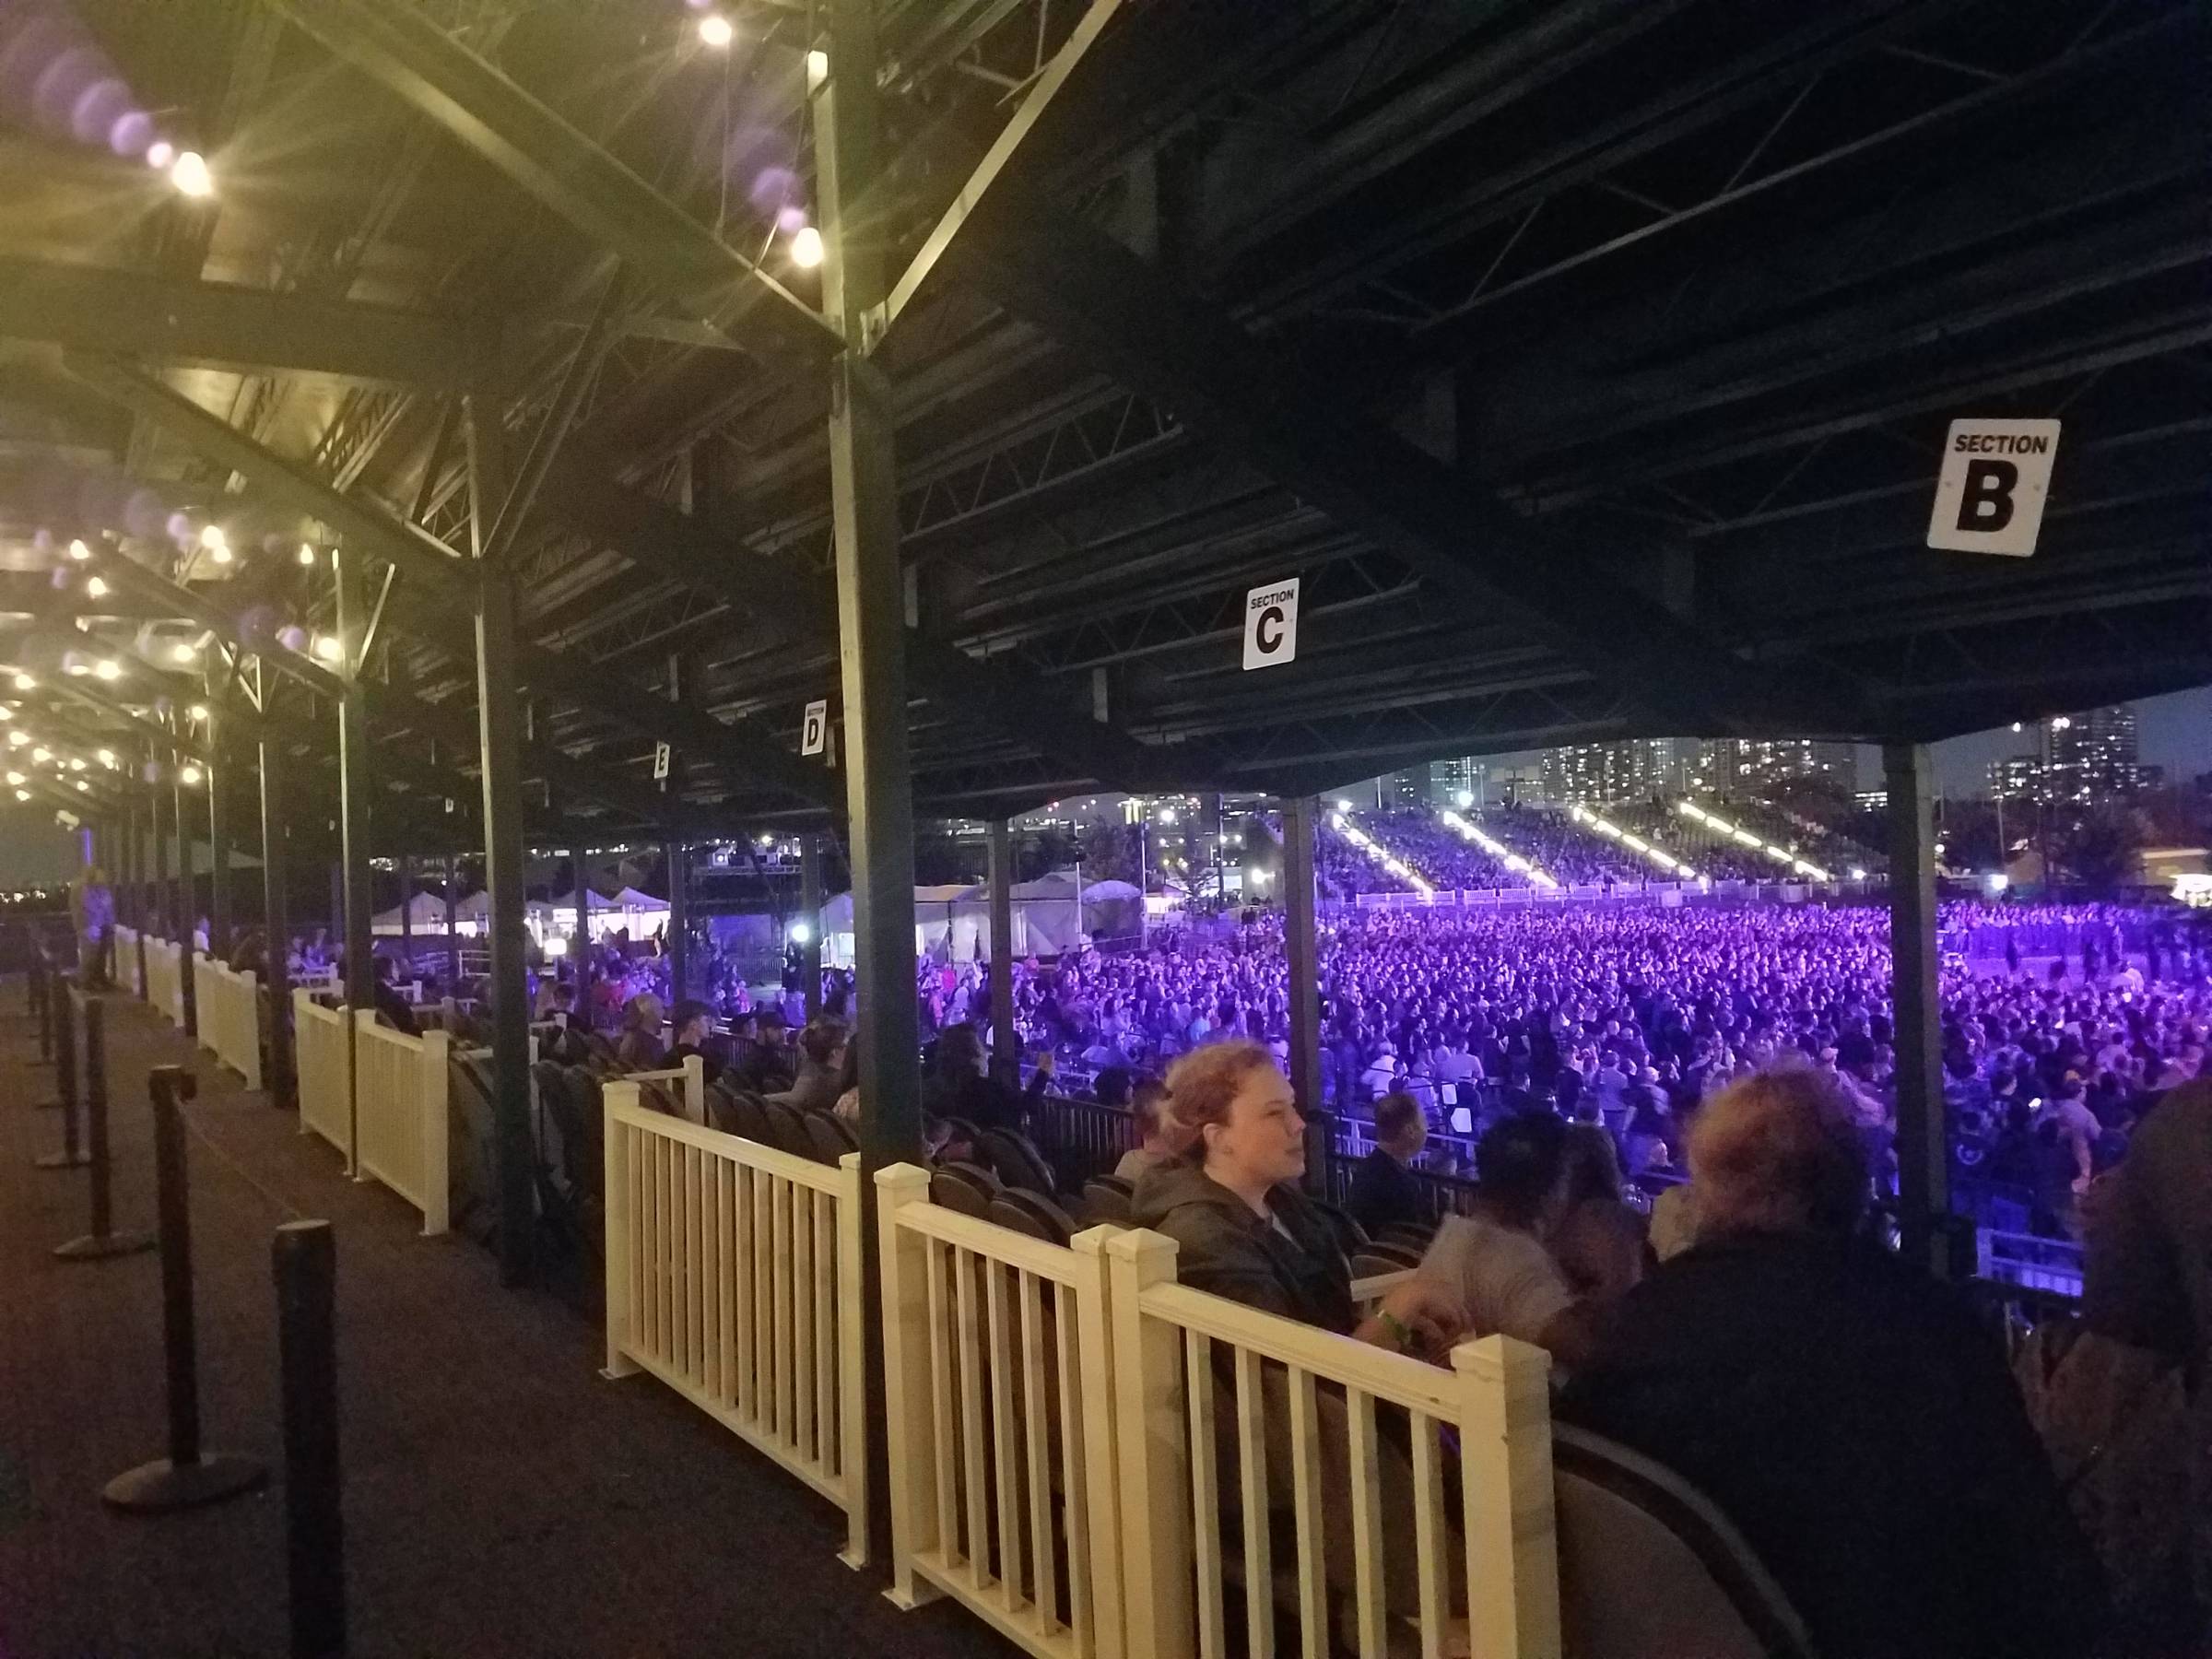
814 732
1271 625
1989 494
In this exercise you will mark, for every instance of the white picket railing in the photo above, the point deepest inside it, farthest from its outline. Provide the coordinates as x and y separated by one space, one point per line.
734 1275
126 960
324 1059
1351 1451
998 1380
229 1016
689 1092
399 1117
165 978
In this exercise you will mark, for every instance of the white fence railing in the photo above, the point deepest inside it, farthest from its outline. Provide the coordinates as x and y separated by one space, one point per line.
324 1059
1181 1459
998 1382
165 978
127 960
399 1114
683 1087
229 1016
734 1275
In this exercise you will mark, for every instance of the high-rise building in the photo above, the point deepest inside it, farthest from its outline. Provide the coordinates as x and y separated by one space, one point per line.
1598 774
1728 766
1457 783
2083 759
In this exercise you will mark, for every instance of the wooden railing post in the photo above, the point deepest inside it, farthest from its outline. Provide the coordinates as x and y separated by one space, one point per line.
695 1090
1150 1425
851 1373
1093 1466
437 1199
250 984
616 1161
302 1002
1512 1548
356 1020
908 1422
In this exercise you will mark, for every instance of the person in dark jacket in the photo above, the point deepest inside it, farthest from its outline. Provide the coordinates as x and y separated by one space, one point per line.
1244 1230
959 1087
821 1067
1846 1411
1383 1189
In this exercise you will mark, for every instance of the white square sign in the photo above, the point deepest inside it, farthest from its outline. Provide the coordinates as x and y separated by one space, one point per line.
660 760
1989 494
1271 625
814 732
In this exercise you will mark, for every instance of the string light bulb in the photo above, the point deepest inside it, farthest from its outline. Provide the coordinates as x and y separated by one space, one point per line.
189 174
717 30
198 712
807 247
25 683
106 758
78 551
326 648
182 652
190 775
95 587
307 554
108 668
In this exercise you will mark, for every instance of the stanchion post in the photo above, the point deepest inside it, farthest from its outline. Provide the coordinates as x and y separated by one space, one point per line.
305 1259
103 1242
189 1476
42 979
72 1155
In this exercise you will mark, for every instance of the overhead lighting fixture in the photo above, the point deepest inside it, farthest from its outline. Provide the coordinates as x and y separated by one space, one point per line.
198 712
190 775
108 668
22 794
182 652
160 154
84 787
14 777
717 30
18 738
95 587
25 683
307 554
807 247
326 647
189 174
42 754
78 551
817 67
77 764
106 758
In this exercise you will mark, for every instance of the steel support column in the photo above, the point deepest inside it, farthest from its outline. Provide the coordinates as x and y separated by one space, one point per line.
452 929
188 895
1004 1040
1300 946
810 908
277 1076
219 844
162 896
405 864
580 863
871 609
355 787
1922 1139
500 715
676 855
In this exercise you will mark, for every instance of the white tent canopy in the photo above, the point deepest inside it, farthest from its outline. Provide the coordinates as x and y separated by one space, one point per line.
954 922
425 914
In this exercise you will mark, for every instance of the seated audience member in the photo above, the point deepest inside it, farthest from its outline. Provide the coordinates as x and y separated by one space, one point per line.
1496 1266
639 1048
1599 1241
1232 1205
1845 1412
567 1044
1163 1139
392 1008
960 1085
1383 1190
821 1067
693 1022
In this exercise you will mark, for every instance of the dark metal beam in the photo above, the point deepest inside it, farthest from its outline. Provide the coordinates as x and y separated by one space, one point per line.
1302 949
1923 1137
223 325
1068 277
278 1077
405 48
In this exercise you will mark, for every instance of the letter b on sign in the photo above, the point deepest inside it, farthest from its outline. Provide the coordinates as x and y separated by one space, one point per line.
1996 477
1271 624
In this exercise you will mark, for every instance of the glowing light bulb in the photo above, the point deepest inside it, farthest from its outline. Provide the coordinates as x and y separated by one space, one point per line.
14 777
326 648
18 738
817 67
160 154
108 668
95 587
25 683
307 554
197 712
717 30
76 763
190 774
106 758
189 174
22 794
182 653
78 551
42 754
807 247
84 787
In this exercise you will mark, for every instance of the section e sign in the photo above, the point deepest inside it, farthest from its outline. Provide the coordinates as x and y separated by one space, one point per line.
1271 625
1989 494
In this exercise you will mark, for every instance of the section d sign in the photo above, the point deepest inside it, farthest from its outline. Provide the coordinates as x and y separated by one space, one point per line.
814 731
1996 474
1271 625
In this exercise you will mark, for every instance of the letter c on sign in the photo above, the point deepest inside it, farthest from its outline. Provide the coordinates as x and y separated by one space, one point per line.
1268 631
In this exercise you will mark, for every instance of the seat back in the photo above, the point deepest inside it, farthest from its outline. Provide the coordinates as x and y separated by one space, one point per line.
1033 1214
829 1137
787 1129
964 1189
748 1116
1016 1162
1351 1235
1650 1569
1107 1200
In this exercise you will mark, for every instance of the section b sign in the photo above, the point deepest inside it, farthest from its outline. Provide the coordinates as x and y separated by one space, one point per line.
1271 625
1996 477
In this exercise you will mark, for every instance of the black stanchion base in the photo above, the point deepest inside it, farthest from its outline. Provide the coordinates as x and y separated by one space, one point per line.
63 1160
160 1487
98 1247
